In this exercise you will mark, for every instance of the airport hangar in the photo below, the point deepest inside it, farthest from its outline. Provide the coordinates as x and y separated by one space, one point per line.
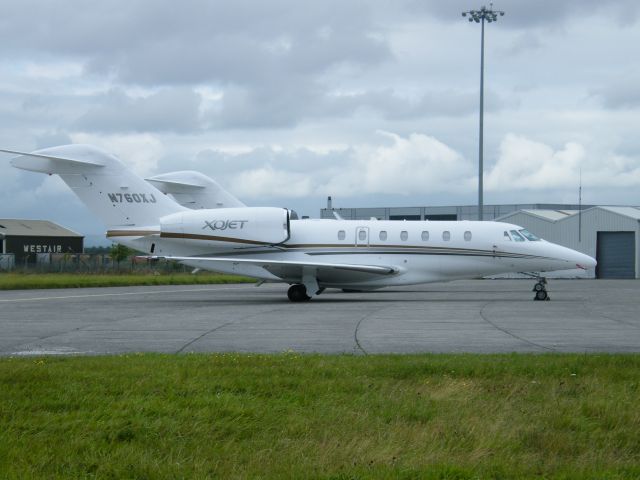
610 234
25 239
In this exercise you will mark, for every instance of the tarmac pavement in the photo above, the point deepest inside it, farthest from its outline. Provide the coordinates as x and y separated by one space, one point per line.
483 316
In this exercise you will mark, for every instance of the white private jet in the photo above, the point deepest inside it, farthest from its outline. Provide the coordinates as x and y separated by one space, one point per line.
267 244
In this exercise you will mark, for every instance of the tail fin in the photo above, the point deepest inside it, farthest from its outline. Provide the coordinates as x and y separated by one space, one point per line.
103 183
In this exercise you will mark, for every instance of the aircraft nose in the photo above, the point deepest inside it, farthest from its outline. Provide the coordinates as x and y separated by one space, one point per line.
575 259
585 262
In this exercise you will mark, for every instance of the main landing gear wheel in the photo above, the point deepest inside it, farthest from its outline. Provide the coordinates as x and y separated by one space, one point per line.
542 295
298 293
541 290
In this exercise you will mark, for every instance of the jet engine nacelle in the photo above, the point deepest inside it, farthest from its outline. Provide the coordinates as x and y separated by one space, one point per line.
230 226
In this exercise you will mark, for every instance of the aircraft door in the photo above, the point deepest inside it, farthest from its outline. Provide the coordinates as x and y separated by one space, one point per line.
362 236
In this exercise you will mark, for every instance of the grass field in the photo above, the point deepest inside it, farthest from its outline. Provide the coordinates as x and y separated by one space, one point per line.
18 281
339 417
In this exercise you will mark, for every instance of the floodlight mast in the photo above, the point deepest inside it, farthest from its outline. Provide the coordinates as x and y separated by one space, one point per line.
479 16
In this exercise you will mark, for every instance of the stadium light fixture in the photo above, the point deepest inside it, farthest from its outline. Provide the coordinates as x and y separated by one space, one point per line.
479 16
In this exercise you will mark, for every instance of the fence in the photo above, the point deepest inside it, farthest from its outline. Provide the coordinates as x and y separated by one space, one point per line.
88 263
7 261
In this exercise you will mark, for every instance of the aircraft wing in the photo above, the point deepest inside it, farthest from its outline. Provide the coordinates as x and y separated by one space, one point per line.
295 270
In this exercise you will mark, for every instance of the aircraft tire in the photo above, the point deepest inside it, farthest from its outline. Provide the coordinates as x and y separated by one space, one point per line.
298 293
541 295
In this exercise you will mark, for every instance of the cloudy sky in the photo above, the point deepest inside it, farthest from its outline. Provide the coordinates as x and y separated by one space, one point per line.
285 102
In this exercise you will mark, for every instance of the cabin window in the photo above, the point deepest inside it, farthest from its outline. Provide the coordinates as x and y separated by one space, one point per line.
446 235
341 235
362 235
516 236
506 235
425 236
383 235
467 236
404 235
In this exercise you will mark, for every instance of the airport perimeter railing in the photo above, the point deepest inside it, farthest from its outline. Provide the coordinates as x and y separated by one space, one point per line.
7 261
87 263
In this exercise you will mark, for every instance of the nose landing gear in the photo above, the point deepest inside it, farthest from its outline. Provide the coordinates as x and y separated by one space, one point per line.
541 289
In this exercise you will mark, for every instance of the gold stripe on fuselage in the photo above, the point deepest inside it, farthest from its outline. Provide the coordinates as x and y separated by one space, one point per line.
193 236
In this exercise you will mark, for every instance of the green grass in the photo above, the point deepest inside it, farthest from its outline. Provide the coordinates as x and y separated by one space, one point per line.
338 417
18 281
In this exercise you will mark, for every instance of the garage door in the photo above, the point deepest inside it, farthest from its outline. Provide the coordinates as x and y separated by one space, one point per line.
616 255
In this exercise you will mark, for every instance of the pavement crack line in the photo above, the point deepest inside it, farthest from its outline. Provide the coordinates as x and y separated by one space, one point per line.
504 330
83 328
607 317
35 341
357 329
618 321
355 336
191 342
199 337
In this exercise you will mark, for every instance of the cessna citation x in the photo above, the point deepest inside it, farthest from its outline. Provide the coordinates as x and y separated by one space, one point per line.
187 217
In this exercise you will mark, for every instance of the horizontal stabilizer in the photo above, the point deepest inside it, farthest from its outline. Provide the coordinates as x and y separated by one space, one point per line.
48 163
194 190
177 182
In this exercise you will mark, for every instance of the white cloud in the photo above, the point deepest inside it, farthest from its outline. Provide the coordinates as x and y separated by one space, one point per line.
616 171
395 164
140 152
53 70
170 109
9 175
414 164
621 93
268 182
53 186
530 165
524 164
418 164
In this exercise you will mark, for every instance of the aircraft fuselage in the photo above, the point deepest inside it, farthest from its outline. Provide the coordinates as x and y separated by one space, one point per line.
421 251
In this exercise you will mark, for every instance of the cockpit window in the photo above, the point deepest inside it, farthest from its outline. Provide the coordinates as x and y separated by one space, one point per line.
516 236
529 236
506 236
